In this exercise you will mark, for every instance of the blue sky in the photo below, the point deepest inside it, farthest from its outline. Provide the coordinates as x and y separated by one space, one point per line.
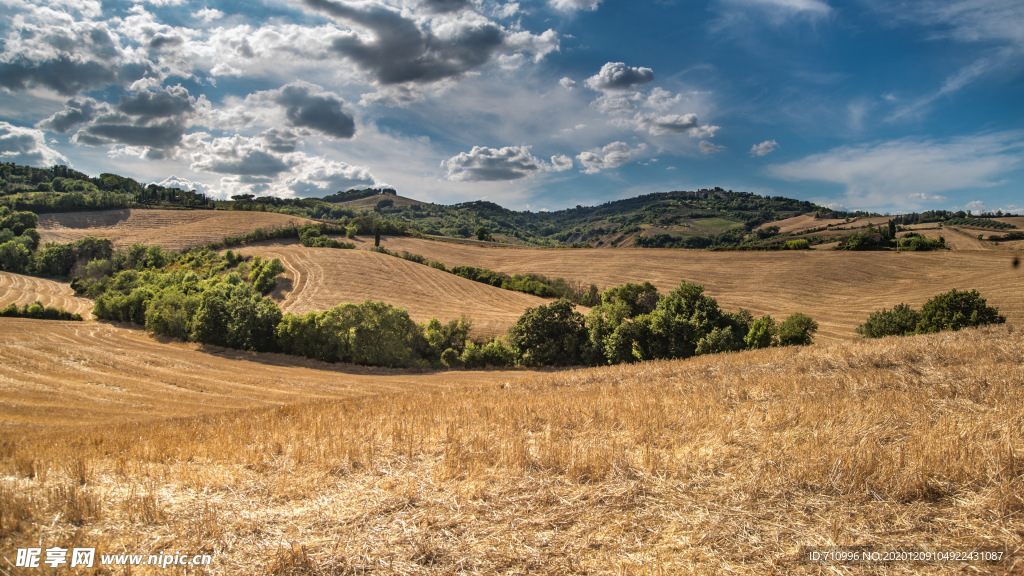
867 104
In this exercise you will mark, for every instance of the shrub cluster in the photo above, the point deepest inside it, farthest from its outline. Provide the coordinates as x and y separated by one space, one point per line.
634 322
953 310
20 252
39 312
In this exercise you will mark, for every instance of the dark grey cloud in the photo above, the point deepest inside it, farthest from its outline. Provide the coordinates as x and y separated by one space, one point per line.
76 111
280 141
401 52
67 75
173 101
444 6
618 76
483 164
155 119
669 124
250 158
323 112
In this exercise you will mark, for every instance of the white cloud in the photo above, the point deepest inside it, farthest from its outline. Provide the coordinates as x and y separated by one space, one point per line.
207 15
764 148
618 76
483 164
903 173
814 7
570 5
709 148
611 156
27 146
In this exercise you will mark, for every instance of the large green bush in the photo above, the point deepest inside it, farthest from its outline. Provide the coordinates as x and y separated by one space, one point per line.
549 335
902 319
953 310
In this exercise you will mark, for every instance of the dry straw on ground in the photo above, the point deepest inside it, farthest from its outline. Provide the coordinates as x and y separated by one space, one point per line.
719 464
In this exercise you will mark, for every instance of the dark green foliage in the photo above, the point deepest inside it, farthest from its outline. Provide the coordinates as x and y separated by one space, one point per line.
902 319
39 312
953 310
797 330
494 353
682 319
862 242
263 274
956 310
551 335
442 339
639 298
314 236
483 234
914 242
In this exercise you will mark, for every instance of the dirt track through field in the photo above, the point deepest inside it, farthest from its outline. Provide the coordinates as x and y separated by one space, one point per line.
23 290
321 278
838 289
84 372
171 229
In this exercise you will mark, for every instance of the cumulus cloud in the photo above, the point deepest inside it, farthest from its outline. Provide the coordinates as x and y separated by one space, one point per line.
307 106
182 184
54 50
400 49
239 155
152 121
570 5
893 174
764 148
27 146
618 76
669 124
483 164
611 156
207 15
444 6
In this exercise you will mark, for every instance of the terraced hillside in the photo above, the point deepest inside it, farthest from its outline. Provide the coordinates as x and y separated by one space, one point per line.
59 373
171 229
837 288
23 290
321 278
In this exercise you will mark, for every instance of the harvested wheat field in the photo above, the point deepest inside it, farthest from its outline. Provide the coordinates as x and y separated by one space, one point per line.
61 373
170 229
725 464
838 289
321 278
22 290
802 222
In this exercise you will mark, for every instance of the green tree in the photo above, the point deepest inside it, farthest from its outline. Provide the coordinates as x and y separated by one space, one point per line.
483 234
797 330
955 310
762 333
553 334
902 319
682 319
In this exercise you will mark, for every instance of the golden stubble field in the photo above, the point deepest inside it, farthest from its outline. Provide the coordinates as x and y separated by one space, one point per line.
170 229
724 464
21 290
321 278
839 289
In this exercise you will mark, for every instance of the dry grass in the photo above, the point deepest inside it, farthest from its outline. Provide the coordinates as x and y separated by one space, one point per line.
22 290
838 289
719 464
321 278
61 373
171 229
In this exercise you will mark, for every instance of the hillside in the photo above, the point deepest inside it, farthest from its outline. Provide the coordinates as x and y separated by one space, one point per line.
72 373
718 464
170 229
321 278
837 288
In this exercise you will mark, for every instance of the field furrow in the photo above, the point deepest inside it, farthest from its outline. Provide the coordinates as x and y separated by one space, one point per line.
321 278
22 290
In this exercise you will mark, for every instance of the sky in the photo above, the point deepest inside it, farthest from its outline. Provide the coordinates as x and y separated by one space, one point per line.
881 105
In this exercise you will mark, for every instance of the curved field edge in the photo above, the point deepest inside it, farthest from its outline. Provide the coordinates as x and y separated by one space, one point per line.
839 289
169 229
716 464
321 278
62 373
21 290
